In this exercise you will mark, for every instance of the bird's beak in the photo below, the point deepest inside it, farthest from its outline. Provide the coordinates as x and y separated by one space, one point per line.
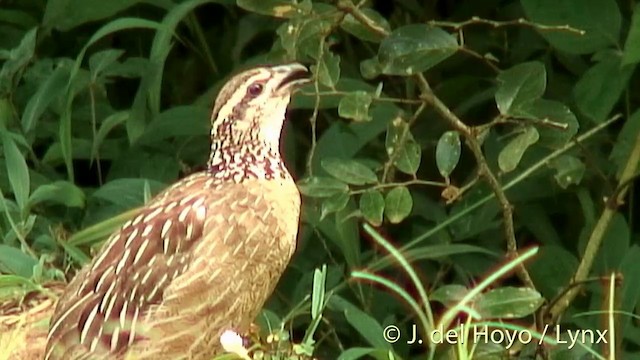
293 75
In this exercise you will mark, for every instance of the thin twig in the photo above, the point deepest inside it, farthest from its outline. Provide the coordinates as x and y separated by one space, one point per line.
496 24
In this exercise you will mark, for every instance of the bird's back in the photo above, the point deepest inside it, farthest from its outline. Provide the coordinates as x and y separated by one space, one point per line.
189 266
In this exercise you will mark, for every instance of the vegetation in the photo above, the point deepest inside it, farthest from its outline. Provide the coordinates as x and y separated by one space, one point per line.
462 163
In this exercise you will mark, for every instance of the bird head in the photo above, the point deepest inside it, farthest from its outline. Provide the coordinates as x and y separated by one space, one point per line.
251 106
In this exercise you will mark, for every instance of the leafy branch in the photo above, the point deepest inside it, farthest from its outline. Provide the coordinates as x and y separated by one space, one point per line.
429 97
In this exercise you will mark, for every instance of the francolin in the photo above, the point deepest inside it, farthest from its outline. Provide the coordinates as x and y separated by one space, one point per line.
203 256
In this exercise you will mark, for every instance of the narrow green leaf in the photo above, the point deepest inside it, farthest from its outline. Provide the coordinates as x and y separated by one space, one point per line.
18 58
107 125
6 113
318 293
372 206
349 171
448 152
17 171
415 48
52 88
520 85
512 153
398 204
151 82
355 106
320 186
96 233
64 131
102 60
508 303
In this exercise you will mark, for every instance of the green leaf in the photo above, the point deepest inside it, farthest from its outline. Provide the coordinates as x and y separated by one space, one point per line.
402 147
415 48
349 171
64 15
127 193
277 8
17 59
362 32
508 303
148 95
370 68
512 153
318 293
398 204
17 171
6 113
189 120
569 170
64 131
372 206
600 88
600 19
14 261
356 353
328 69
333 204
631 53
519 85
625 142
448 152
320 186
60 192
365 324
617 238
408 157
53 87
449 295
557 112
355 106
552 269
102 60
107 125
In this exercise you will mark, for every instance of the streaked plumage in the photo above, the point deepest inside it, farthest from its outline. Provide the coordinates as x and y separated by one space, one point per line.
204 255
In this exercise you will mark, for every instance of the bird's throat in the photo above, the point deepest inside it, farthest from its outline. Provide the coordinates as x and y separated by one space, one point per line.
246 162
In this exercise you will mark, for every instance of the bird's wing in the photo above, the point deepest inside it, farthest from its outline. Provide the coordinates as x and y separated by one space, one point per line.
101 310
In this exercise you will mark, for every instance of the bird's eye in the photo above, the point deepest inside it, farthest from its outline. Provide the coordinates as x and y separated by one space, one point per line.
255 89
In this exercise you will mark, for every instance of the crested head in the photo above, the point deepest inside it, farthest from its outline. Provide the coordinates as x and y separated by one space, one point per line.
247 122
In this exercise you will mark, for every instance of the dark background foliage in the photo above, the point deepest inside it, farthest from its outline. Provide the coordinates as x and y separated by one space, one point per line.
462 133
